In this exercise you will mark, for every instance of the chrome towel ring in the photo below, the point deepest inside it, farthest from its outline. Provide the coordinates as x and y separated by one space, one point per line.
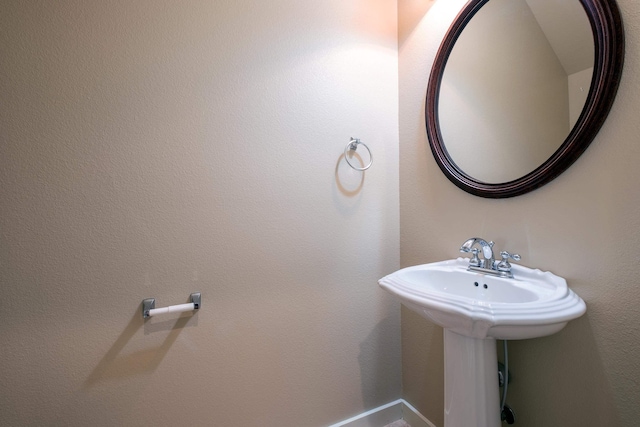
353 146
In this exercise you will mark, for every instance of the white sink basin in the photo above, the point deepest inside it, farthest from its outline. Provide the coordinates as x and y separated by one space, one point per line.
532 304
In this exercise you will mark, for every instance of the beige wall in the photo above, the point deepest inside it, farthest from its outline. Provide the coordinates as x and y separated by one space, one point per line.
584 226
154 149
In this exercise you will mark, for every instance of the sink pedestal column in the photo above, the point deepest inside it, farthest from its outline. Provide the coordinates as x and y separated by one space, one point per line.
471 391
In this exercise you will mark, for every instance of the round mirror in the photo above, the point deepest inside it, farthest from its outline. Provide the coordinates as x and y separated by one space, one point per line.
519 89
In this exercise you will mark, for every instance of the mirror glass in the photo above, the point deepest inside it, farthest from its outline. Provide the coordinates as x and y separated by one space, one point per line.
514 86
519 89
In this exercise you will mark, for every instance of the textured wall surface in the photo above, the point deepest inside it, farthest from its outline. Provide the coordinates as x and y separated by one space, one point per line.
583 226
157 148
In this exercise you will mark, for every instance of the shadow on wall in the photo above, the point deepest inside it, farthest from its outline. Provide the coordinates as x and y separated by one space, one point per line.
113 365
423 385
349 180
377 375
347 193
581 395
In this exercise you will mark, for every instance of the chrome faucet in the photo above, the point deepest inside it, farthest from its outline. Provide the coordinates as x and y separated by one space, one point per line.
487 252
488 265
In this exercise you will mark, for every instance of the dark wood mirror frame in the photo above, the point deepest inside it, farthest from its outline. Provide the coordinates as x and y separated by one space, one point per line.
608 33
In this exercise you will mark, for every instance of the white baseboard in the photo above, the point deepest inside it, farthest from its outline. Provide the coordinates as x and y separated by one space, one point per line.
386 414
413 417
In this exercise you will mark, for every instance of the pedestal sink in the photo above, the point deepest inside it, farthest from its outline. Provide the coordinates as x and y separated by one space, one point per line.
476 309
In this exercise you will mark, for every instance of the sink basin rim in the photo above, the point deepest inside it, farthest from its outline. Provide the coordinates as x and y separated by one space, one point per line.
557 305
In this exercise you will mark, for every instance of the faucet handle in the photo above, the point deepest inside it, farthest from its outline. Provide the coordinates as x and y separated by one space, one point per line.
475 260
504 265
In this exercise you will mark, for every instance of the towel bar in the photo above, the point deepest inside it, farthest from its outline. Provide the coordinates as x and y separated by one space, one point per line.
149 306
